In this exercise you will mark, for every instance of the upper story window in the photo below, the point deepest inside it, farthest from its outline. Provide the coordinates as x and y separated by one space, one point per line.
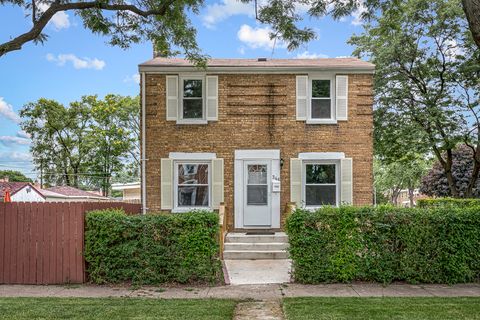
191 99
192 106
321 99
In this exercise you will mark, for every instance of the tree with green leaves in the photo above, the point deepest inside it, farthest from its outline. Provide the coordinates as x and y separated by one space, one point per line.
111 139
59 146
390 178
166 22
286 16
86 143
426 82
14 176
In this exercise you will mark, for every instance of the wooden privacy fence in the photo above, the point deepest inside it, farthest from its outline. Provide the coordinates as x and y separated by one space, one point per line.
42 243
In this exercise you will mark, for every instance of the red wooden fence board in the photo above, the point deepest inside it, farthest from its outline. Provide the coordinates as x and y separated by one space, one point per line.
2 241
43 243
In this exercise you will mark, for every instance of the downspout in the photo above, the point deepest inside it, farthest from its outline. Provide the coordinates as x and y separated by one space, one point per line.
142 157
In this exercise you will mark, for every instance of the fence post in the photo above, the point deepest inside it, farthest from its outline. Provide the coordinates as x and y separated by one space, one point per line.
222 227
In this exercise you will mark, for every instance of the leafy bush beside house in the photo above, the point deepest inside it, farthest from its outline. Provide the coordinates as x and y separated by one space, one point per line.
385 244
152 249
442 202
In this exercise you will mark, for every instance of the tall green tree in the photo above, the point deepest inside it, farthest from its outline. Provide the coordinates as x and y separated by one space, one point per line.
391 178
59 146
14 176
85 143
426 81
111 140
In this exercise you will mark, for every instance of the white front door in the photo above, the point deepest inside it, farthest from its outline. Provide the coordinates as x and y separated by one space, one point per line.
257 189
257 202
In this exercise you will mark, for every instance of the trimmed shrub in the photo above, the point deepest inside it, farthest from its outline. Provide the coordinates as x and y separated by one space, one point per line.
153 248
385 244
442 202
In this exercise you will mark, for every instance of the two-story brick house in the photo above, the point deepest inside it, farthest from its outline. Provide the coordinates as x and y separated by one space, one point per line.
256 135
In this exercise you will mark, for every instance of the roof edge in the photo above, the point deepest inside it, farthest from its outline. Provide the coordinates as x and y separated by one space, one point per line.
245 69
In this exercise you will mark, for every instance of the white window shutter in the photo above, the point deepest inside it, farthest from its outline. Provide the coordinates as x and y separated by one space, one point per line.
341 97
166 184
212 98
302 97
217 182
346 181
172 97
296 181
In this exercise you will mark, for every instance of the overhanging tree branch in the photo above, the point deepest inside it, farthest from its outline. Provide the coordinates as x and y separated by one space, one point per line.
40 23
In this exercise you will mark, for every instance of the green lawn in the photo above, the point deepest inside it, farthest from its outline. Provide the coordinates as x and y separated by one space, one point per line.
382 308
115 308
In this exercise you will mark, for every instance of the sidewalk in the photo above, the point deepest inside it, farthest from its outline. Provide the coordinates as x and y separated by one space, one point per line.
257 292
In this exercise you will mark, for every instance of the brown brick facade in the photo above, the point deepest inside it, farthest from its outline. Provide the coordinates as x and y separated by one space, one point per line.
257 111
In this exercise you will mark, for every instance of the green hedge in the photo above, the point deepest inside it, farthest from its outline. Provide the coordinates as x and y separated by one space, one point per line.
153 248
385 244
442 202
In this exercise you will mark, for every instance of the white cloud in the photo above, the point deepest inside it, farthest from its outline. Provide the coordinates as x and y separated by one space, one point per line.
78 63
357 14
15 156
12 140
241 50
60 20
225 9
220 11
258 38
308 55
6 110
23 134
452 49
133 78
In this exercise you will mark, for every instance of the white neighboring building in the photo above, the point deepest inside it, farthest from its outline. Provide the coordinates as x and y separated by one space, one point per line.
27 192
130 191
20 191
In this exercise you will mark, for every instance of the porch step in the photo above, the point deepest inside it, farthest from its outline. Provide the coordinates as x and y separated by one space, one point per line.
254 255
242 246
267 246
237 237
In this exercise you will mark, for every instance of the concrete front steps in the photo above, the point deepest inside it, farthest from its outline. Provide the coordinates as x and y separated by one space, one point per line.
242 246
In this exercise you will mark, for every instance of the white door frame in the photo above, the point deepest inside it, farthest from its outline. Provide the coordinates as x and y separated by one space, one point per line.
269 155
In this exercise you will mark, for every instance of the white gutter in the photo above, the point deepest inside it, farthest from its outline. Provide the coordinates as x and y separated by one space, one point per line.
142 156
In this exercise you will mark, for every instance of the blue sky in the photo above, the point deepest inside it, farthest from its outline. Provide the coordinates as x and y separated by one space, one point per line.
74 62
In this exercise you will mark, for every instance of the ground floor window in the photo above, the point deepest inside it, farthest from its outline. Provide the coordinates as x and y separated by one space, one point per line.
192 184
320 184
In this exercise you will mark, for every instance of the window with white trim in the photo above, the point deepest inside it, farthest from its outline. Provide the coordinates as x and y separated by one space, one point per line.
322 107
192 184
192 94
320 183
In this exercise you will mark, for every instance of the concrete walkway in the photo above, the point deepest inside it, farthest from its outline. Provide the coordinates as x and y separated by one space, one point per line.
259 310
258 271
256 292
